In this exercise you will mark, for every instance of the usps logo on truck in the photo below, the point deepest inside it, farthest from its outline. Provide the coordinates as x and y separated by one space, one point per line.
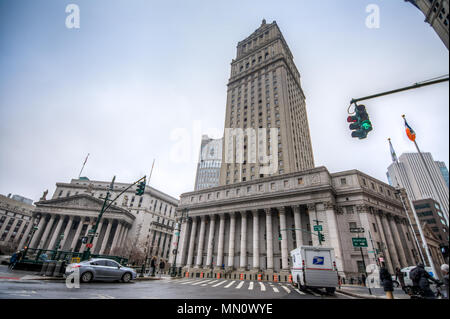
318 260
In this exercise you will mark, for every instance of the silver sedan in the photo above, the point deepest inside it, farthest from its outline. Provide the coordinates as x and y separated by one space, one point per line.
101 269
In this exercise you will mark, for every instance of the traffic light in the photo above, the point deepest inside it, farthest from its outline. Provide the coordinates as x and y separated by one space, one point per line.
140 188
321 238
360 123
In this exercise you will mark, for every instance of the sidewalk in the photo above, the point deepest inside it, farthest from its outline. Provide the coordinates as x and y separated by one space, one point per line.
377 293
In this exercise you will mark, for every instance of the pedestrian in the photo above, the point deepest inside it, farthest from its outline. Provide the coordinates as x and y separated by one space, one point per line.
13 260
363 279
420 278
444 269
386 281
153 266
339 282
351 280
400 277
162 265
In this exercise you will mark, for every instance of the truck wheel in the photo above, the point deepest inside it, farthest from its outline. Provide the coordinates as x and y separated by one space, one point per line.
330 290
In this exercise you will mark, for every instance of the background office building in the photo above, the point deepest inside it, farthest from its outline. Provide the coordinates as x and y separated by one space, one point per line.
429 211
444 171
209 162
410 173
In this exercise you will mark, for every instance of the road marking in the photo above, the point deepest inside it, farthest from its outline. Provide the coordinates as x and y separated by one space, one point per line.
275 289
240 285
220 283
286 288
313 293
344 295
201 282
189 282
251 286
209 283
300 292
230 284
263 288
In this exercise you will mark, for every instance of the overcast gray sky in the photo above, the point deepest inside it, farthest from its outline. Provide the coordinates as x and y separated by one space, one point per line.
137 75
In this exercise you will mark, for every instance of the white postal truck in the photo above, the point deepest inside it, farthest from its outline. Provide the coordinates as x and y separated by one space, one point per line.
314 267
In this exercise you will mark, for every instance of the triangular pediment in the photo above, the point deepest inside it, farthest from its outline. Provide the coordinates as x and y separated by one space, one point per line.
84 201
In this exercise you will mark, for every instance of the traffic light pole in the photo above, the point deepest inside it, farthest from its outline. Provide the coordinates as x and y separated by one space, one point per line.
364 265
87 252
411 87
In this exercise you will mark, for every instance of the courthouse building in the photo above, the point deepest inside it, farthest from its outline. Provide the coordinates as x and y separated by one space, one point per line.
144 222
252 220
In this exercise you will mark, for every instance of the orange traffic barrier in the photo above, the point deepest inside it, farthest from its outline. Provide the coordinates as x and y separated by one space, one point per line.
241 276
290 278
187 274
201 275
218 275
259 277
275 278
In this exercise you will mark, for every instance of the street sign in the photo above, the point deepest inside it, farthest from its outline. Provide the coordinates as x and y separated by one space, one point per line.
357 230
75 260
317 227
359 242
371 251
177 233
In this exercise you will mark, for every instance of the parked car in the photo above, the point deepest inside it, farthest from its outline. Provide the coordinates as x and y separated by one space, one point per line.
101 269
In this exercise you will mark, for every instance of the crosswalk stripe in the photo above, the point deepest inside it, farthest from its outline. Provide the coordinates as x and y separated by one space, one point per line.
286 288
220 283
209 283
201 282
275 289
230 284
188 282
263 288
313 293
300 292
240 285
251 286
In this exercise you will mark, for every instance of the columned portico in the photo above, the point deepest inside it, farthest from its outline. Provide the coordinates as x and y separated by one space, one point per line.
212 225
284 243
232 241
192 243
221 241
269 239
298 226
255 240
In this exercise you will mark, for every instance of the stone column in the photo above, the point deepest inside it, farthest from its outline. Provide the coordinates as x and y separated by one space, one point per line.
99 231
397 240
386 252
298 226
363 212
122 232
312 214
333 233
243 260
106 237
116 236
23 241
391 244
11 230
181 253
221 238
255 240
212 225
34 241
404 227
125 235
191 243
73 245
67 231
284 244
56 232
232 240
46 232
201 241
269 239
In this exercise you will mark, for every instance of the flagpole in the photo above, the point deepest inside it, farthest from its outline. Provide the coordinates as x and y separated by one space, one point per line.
83 166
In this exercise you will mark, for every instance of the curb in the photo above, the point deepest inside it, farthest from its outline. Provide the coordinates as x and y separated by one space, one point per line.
357 295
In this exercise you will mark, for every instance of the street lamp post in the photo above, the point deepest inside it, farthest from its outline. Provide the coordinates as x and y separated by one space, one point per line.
184 216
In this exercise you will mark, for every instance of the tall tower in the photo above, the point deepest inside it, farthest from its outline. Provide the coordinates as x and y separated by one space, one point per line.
264 92
209 162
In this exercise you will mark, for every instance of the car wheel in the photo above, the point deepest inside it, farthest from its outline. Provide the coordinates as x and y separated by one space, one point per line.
126 277
86 277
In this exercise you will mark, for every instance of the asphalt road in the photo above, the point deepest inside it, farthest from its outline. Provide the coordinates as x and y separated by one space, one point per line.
158 289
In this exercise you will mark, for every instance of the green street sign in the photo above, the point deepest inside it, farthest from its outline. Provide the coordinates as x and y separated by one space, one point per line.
371 252
359 242
317 227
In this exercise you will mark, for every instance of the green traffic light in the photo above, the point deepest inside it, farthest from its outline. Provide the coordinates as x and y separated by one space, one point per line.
366 125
